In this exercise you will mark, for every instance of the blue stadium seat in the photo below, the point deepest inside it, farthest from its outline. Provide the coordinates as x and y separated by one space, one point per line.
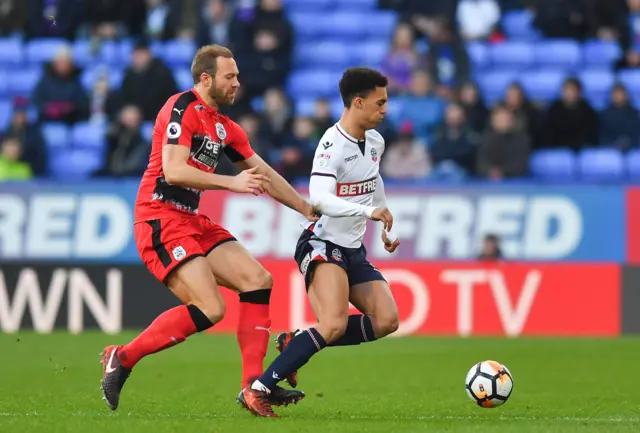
147 130
184 79
478 53
56 135
598 100
91 75
631 79
4 84
6 112
305 106
512 55
543 85
178 52
361 5
293 6
308 25
327 53
43 50
518 25
85 53
493 85
596 80
601 164
372 53
12 52
22 82
555 164
88 135
352 25
600 53
633 164
76 164
379 23
317 83
559 53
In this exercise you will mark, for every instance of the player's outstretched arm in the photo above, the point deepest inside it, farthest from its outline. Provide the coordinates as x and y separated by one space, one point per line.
279 188
178 172
322 191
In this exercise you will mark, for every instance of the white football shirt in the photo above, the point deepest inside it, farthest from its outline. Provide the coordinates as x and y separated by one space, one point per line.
346 185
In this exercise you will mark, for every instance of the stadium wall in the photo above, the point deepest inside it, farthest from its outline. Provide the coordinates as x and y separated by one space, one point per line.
68 260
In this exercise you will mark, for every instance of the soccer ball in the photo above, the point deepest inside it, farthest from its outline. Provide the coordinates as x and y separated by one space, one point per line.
489 384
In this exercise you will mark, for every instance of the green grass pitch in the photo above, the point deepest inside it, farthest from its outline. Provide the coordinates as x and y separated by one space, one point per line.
51 384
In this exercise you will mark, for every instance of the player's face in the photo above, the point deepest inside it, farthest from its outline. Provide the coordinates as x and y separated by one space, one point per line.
226 84
373 108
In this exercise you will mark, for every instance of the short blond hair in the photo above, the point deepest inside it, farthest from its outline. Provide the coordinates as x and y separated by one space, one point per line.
206 60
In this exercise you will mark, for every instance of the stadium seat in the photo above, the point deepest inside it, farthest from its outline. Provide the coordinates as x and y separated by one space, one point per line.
361 5
632 162
555 164
352 25
596 81
478 53
184 79
512 55
600 53
12 52
309 25
558 53
91 75
316 83
305 106
147 130
518 25
372 53
88 135
544 85
56 135
86 53
75 164
598 100
6 111
631 79
22 82
178 52
384 22
327 53
601 164
43 50
293 6
494 84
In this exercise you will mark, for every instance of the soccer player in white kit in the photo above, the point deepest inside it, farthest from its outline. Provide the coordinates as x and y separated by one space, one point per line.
346 189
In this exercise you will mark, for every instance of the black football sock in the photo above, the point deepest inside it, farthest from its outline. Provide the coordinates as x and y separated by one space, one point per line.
297 353
359 330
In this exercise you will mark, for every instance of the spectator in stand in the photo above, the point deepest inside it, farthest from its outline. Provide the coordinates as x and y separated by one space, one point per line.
422 107
620 122
322 117
276 120
630 40
504 151
162 19
421 8
216 25
298 149
33 147
571 121
561 18
271 15
528 118
476 112
110 19
266 65
59 95
11 167
13 16
127 150
478 18
455 143
103 104
406 158
402 60
148 82
447 58
607 19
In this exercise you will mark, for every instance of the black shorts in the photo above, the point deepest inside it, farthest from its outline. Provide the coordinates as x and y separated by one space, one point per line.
312 250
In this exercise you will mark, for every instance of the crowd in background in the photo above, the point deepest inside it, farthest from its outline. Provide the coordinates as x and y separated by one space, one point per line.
444 128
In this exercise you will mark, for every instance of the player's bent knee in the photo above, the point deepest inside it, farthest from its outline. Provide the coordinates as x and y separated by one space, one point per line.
257 279
333 329
388 325
213 311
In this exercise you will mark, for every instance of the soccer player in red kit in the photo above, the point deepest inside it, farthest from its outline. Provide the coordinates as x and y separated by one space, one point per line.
185 250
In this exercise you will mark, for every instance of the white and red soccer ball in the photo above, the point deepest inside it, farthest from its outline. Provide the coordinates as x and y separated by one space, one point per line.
489 384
